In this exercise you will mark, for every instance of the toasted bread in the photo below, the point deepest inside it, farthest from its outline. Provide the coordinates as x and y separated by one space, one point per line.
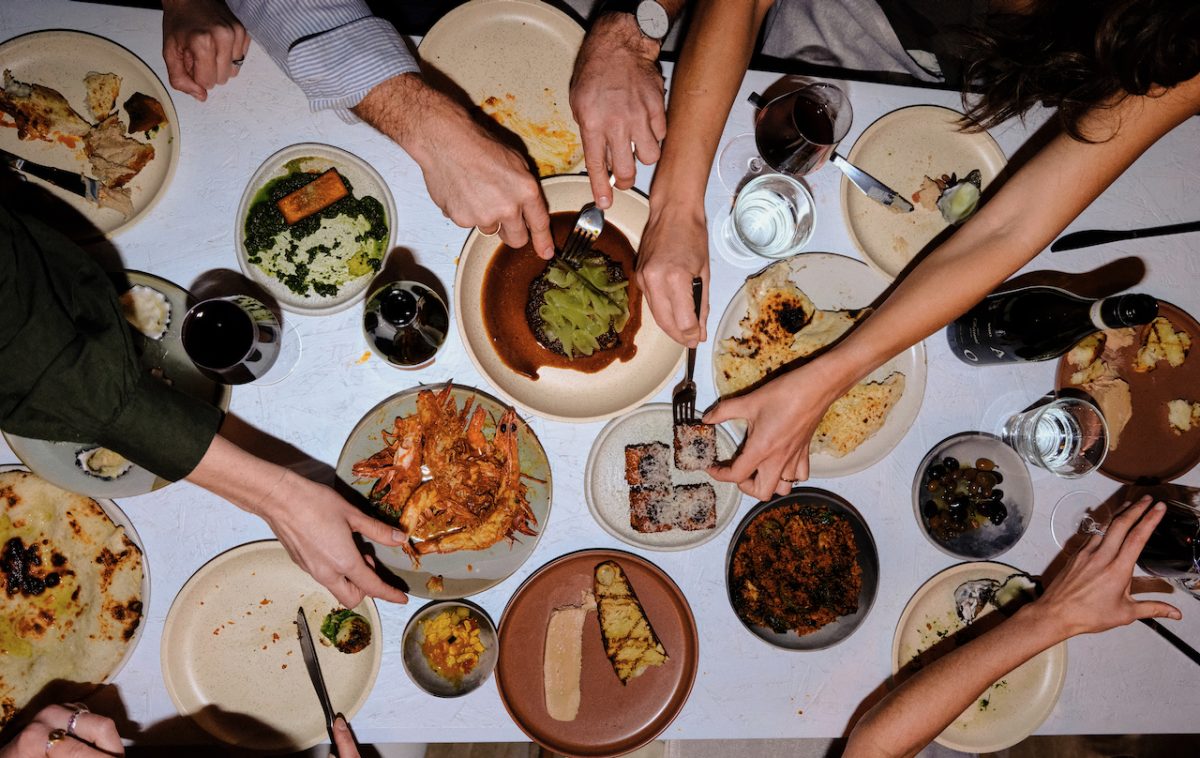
629 640
102 91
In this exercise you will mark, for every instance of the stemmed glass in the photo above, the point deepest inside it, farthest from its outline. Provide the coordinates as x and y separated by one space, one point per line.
237 339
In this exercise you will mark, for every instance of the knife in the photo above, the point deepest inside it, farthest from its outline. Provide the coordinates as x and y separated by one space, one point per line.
314 669
870 186
1076 240
84 186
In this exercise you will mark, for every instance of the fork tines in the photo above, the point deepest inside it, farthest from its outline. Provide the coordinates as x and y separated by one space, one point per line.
578 244
683 402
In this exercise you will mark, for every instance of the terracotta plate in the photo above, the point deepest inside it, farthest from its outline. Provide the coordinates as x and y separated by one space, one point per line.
465 572
1012 708
60 59
1149 451
613 718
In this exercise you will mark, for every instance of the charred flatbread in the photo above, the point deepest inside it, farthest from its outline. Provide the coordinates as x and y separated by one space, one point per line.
72 597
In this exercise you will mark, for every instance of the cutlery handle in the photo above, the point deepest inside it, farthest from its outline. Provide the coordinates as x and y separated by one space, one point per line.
697 294
1076 240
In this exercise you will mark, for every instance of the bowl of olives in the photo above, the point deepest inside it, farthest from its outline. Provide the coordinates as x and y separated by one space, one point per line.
972 496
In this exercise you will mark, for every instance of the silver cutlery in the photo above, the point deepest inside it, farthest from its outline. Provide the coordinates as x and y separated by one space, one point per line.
314 669
579 243
683 398
870 186
1089 237
78 184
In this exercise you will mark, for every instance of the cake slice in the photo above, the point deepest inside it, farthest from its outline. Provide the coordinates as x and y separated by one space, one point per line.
695 445
691 507
629 640
696 506
648 465
650 509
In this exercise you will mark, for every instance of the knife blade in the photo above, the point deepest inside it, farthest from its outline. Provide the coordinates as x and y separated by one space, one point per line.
872 187
1089 237
309 652
78 184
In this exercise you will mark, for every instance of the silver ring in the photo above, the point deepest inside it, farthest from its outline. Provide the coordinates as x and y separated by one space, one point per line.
238 61
499 226
78 708
56 736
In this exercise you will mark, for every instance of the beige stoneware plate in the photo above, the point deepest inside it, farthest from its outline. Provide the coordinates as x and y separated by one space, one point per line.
60 59
231 660
835 281
607 492
1012 708
563 394
900 149
520 52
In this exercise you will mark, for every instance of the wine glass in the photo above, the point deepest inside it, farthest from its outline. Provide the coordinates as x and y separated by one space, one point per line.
1076 517
237 339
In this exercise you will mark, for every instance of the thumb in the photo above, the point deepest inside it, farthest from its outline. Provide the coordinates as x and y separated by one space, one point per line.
343 739
376 529
1146 609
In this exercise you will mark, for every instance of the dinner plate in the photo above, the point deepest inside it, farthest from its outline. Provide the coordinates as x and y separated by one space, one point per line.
837 282
1009 710
231 658
1148 450
119 517
564 394
900 149
465 572
60 59
314 157
868 562
607 491
514 58
56 461
613 718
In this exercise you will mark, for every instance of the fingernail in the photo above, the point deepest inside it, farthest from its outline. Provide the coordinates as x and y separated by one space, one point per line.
339 723
604 203
1159 507
398 535
1175 615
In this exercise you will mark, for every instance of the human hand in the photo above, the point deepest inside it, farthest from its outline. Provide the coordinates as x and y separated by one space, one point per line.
202 40
343 740
617 97
47 737
673 252
316 526
1092 592
474 178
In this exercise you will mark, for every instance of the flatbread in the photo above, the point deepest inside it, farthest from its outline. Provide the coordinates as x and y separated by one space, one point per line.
856 416
79 630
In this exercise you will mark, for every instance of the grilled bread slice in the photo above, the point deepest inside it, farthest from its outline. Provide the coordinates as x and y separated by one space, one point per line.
629 640
102 91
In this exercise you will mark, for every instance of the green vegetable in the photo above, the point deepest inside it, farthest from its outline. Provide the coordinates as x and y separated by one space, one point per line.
578 317
348 631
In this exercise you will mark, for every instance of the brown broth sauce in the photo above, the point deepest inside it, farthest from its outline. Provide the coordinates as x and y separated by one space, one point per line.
506 293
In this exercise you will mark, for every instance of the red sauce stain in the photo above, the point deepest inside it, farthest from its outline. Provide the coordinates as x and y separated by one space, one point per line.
68 140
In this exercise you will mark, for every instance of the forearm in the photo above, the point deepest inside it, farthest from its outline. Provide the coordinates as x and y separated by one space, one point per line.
922 706
705 82
230 472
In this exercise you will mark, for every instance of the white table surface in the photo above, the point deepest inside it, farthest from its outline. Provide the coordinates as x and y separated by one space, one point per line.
1125 681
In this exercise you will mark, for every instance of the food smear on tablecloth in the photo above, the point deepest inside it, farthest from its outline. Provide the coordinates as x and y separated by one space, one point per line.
445 482
795 568
73 591
552 142
783 327
335 237
525 299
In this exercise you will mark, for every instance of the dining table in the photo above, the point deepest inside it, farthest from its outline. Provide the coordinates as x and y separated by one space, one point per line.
1127 680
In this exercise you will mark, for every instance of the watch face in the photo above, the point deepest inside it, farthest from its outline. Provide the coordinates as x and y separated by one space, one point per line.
652 19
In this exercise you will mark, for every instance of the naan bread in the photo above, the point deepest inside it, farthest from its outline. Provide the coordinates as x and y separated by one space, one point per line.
79 629
102 91
39 111
856 416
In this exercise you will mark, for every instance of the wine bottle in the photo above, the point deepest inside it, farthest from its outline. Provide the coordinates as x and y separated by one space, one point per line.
1039 323
405 323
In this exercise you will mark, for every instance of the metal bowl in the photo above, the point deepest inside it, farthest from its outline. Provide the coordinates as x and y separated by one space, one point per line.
989 540
418 668
868 561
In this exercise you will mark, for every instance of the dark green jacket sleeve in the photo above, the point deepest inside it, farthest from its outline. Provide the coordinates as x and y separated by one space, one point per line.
68 367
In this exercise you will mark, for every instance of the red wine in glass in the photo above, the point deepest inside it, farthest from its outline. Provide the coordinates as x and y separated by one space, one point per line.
233 340
795 133
1173 550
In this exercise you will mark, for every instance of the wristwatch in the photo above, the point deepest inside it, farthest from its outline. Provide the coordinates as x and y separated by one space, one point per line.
652 18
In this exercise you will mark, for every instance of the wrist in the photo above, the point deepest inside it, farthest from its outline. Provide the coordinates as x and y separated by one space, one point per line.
618 30
399 107
1041 621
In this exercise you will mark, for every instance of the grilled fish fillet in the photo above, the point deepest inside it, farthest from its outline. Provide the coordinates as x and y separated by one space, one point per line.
629 640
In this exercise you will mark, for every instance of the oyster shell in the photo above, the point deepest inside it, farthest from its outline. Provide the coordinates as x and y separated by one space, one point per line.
147 310
971 597
960 197
102 463
1016 590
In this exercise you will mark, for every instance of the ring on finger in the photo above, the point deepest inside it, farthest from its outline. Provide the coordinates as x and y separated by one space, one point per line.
499 226
77 709
238 61
56 736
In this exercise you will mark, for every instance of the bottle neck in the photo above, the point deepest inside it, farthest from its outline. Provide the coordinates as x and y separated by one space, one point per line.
1096 313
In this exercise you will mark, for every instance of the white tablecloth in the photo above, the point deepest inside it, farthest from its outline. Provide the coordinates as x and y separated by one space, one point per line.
1125 681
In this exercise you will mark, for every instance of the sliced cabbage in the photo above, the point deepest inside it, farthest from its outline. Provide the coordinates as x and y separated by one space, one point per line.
578 317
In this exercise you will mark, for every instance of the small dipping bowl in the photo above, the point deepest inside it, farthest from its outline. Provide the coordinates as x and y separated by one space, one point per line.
989 540
417 666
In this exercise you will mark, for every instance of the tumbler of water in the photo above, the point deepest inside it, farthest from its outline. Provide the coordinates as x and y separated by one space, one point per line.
772 216
1067 436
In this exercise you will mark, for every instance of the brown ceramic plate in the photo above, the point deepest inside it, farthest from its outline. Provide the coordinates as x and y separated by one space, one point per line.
1149 451
613 718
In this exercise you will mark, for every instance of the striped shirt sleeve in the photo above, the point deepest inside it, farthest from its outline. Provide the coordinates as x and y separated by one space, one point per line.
335 50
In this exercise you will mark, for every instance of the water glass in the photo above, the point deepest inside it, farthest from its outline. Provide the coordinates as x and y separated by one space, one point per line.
1067 436
772 216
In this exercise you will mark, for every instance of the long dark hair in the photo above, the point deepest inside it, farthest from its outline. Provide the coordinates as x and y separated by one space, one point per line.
1078 55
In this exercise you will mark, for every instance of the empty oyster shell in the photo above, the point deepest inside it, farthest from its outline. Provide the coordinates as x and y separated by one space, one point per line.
102 463
971 597
1007 596
960 199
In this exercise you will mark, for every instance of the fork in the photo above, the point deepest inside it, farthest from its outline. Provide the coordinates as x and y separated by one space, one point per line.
683 399
579 243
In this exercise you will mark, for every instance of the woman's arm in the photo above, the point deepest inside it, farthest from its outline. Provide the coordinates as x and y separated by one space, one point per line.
1026 213
1091 594
674 247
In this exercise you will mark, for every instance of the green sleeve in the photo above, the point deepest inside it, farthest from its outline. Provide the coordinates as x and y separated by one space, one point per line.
68 367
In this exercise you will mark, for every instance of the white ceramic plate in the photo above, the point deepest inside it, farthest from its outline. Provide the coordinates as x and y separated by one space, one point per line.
231 659
837 282
315 157
60 59
607 492
520 52
563 394
900 149
1012 708
55 461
